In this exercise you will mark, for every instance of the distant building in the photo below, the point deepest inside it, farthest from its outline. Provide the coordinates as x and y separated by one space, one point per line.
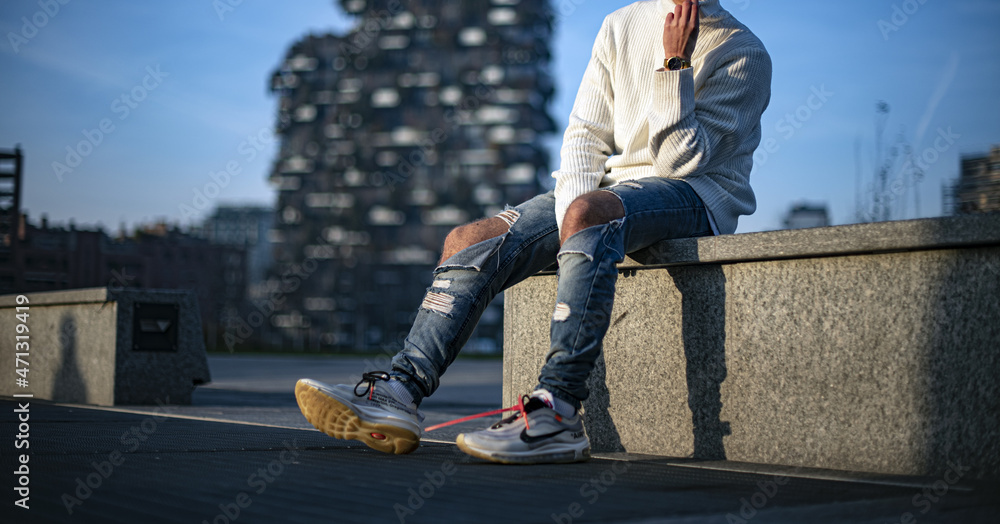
11 167
245 227
803 216
428 115
978 188
177 260
156 257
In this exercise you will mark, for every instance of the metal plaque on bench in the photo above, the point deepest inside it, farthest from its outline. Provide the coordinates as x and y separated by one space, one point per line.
154 327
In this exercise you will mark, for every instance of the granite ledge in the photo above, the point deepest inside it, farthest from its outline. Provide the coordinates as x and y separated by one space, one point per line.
880 237
95 295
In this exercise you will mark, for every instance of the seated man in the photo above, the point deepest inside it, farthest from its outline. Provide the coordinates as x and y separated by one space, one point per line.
657 147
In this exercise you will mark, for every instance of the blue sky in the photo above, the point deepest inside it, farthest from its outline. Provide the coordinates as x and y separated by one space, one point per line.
196 101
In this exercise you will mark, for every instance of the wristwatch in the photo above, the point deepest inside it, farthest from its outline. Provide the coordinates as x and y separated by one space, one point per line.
676 63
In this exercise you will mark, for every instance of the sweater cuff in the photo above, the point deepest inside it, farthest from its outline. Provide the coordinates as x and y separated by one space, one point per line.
673 94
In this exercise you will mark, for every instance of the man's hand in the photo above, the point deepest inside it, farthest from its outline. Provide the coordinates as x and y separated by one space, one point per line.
680 30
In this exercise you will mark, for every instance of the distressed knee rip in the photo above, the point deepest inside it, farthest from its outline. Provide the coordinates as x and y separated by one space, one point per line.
441 283
586 241
440 303
562 312
631 183
474 257
510 216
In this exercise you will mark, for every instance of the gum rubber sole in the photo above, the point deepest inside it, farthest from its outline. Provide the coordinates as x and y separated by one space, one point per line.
564 457
337 420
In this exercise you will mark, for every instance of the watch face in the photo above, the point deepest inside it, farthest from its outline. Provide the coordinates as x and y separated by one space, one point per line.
674 64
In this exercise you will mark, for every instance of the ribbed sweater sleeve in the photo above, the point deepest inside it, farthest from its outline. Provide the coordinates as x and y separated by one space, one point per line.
683 136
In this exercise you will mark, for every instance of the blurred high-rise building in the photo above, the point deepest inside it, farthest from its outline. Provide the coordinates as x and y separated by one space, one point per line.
803 215
11 230
429 114
977 189
245 227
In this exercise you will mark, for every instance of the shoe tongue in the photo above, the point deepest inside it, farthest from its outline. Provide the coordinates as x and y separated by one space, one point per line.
531 405
535 403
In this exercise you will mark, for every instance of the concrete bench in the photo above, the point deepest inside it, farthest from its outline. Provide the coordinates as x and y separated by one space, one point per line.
95 346
870 347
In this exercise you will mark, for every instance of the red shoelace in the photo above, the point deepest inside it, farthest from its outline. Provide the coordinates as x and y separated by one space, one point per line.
518 407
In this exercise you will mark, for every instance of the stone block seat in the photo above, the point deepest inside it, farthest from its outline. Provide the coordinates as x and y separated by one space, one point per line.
106 347
866 347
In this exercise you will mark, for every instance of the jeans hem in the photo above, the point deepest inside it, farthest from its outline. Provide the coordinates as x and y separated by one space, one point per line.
562 395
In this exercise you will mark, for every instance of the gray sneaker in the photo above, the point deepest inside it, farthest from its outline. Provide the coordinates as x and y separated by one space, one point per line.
538 435
374 415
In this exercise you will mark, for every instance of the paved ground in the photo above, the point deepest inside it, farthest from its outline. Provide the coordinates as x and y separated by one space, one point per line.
242 453
260 389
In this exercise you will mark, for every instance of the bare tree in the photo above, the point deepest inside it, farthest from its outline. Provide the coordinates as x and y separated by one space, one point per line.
883 195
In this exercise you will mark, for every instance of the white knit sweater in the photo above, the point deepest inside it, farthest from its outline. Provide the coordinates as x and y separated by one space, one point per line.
701 124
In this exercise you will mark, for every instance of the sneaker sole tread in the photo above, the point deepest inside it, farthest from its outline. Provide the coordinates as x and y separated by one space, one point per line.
563 457
339 421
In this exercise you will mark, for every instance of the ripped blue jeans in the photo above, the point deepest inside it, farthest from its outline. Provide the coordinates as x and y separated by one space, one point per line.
655 209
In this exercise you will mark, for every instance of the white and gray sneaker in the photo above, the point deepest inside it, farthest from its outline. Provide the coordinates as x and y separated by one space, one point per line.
376 416
536 435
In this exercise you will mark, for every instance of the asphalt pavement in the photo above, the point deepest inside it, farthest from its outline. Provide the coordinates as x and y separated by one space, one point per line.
243 453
